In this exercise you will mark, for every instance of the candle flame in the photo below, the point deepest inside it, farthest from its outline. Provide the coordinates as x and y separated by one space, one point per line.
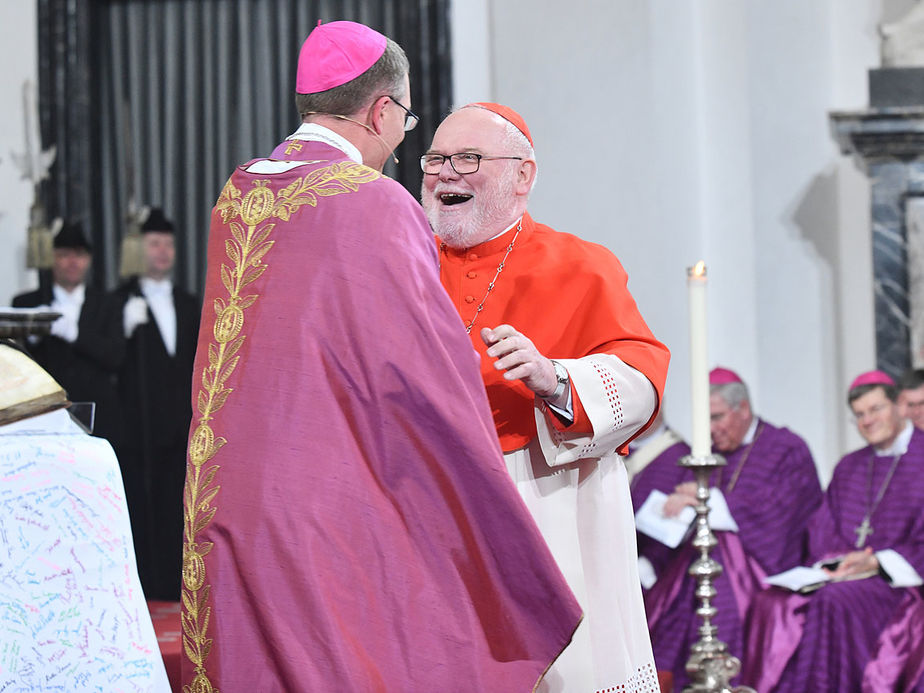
699 269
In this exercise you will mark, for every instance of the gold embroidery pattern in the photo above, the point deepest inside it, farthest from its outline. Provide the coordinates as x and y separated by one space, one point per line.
246 250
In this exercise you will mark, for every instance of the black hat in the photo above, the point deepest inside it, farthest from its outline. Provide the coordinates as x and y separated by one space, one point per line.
71 236
156 221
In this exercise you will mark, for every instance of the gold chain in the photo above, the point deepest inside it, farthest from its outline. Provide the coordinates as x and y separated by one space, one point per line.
500 268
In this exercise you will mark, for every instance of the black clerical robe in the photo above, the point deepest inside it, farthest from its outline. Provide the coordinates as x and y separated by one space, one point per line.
86 368
154 387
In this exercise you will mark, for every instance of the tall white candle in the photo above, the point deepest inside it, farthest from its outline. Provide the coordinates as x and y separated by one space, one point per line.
699 368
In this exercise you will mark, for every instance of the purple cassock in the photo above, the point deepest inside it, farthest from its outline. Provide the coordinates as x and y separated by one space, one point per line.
349 522
897 664
771 486
663 473
823 641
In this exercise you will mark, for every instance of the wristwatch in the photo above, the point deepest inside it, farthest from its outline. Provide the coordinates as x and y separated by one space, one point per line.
561 374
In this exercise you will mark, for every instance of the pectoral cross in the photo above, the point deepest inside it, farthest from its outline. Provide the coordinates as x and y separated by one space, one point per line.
863 531
293 146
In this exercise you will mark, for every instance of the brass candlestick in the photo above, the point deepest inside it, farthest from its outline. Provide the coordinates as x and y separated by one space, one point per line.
710 665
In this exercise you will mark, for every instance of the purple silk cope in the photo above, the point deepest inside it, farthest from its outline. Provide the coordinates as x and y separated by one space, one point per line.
349 521
824 640
771 487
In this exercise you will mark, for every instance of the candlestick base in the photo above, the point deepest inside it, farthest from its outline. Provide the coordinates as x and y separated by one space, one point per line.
710 461
710 665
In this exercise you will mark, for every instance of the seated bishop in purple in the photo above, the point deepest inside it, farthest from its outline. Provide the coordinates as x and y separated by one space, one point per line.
653 465
868 535
771 488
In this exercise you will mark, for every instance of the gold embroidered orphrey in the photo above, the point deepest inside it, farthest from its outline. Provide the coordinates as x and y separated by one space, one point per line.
246 249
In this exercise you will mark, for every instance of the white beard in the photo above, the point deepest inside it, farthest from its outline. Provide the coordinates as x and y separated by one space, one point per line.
491 212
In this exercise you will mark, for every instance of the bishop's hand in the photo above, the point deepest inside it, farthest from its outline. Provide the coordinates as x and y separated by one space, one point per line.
856 562
518 357
684 494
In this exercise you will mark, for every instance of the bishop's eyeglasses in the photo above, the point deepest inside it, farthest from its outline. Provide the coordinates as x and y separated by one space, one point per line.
462 163
410 118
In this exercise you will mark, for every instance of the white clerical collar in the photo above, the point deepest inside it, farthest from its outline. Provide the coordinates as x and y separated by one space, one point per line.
517 221
76 295
899 446
155 286
752 429
312 132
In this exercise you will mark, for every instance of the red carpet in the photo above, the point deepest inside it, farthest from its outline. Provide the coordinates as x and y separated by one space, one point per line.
166 618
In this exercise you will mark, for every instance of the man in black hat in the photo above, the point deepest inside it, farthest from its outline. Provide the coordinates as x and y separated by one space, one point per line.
161 326
85 348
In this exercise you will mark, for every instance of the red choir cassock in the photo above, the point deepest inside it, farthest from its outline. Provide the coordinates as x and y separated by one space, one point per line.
568 296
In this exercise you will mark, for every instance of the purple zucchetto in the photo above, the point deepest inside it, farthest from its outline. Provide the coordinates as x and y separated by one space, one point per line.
723 376
335 53
872 378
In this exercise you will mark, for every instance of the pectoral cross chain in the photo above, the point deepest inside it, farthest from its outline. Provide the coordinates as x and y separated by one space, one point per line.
863 531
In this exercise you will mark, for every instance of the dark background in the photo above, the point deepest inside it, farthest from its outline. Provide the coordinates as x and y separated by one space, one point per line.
167 96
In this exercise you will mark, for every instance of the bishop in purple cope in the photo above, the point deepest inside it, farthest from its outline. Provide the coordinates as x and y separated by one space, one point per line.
771 487
869 536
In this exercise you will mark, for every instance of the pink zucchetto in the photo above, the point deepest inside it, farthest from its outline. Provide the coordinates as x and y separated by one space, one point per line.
872 378
508 114
335 53
723 376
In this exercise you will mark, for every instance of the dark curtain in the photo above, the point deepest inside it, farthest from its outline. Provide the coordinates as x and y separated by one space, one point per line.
167 96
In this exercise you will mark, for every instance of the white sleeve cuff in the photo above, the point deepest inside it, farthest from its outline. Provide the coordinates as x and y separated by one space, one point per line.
646 573
564 408
900 571
720 517
618 400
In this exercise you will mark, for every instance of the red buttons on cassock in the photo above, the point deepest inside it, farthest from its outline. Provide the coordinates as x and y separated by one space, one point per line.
469 299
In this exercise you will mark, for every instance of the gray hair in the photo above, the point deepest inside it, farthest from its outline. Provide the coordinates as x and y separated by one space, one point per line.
517 144
384 78
733 393
516 141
